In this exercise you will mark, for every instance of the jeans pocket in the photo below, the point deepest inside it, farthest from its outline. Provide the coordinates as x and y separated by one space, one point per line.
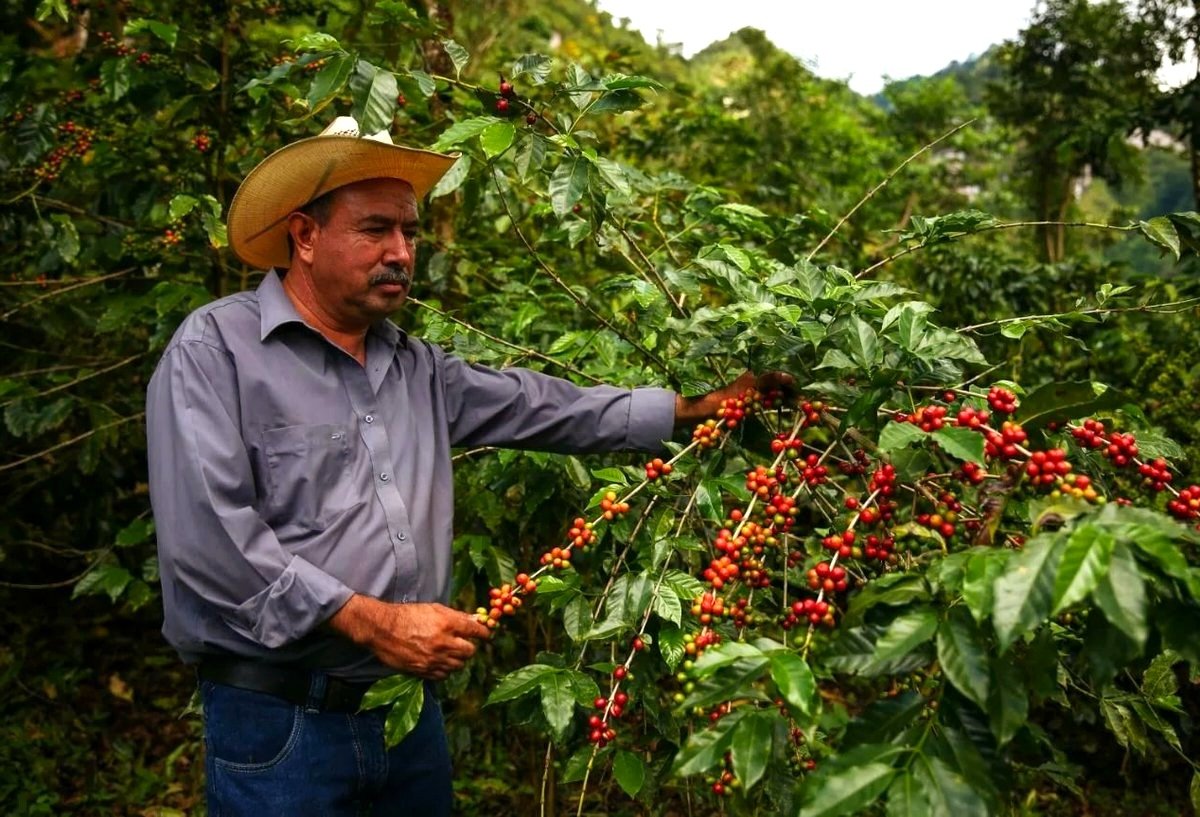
247 731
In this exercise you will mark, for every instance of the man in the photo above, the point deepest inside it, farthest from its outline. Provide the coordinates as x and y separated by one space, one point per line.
300 476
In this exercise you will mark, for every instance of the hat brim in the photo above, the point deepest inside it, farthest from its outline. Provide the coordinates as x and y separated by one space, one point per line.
297 173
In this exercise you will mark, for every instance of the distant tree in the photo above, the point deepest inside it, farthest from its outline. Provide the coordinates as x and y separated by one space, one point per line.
1076 83
1177 23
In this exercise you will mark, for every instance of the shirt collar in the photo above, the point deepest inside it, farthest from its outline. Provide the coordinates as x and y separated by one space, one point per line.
276 309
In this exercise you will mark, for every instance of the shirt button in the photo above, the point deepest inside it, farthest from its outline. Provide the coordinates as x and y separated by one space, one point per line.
370 418
384 476
401 536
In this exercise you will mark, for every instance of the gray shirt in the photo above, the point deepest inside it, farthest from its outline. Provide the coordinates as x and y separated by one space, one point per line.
285 476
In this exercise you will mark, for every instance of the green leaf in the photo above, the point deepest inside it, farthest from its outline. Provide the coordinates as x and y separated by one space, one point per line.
1024 594
454 178
374 98
899 435
810 279
135 533
1084 562
568 184
166 32
667 607
520 682
537 66
963 655
630 772
979 577
864 343
613 476
670 645
66 237
1159 681
751 747
496 138
707 747
1161 232
47 7
794 680
389 690
1194 792
835 359
1008 706
1066 401
531 159
315 41
708 501
404 714
464 131
904 634
558 700
961 443
846 791
108 578
114 77
1121 595
948 793
906 797
458 55
725 654
332 77
578 473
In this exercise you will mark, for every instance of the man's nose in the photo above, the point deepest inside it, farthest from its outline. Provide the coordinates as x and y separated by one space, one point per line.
399 249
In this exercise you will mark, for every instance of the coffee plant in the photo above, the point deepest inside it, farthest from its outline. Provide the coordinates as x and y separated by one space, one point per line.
853 594
883 589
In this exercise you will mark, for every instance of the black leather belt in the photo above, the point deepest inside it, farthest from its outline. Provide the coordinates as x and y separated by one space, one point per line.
292 684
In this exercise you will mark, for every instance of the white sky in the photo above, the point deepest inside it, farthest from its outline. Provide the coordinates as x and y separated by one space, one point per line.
860 41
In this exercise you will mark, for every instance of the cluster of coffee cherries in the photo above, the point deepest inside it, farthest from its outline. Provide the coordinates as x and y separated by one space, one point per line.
611 508
1002 401
657 468
504 600
927 418
202 142
830 578
707 434
77 142
725 783
1006 443
1047 468
1186 506
809 611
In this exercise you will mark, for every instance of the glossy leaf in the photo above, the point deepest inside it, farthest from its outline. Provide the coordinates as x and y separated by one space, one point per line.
630 772
1084 563
847 791
405 712
905 633
961 443
1121 596
794 680
963 655
751 747
1024 594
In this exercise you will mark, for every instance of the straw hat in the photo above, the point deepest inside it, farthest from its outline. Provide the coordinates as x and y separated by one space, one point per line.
297 173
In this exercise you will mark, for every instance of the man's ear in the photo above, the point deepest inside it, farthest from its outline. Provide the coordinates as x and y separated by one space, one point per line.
302 229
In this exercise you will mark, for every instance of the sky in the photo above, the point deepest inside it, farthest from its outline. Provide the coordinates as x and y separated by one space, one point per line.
860 41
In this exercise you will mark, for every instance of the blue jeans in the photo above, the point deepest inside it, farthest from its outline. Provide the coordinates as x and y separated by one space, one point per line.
267 757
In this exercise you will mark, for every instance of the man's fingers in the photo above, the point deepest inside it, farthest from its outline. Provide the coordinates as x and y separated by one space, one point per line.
467 626
777 380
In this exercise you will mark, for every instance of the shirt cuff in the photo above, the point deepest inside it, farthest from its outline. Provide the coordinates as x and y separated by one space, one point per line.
651 419
303 597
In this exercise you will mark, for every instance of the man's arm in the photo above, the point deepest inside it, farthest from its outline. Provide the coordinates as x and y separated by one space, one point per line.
212 543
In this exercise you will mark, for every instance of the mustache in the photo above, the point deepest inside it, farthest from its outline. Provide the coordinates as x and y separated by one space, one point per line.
392 275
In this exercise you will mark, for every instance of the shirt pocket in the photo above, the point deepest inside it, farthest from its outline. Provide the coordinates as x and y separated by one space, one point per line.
308 474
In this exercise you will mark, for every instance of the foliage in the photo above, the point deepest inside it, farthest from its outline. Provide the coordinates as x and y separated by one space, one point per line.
1040 637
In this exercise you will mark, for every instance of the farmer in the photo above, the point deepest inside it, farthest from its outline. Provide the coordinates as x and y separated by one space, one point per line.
300 475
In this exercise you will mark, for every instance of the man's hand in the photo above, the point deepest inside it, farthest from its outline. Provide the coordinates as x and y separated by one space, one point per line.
426 640
698 409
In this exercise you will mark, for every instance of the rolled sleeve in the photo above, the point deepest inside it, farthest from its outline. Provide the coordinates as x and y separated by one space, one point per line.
216 554
651 419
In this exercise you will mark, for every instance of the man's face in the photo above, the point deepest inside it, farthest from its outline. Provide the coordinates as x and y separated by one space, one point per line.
360 262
